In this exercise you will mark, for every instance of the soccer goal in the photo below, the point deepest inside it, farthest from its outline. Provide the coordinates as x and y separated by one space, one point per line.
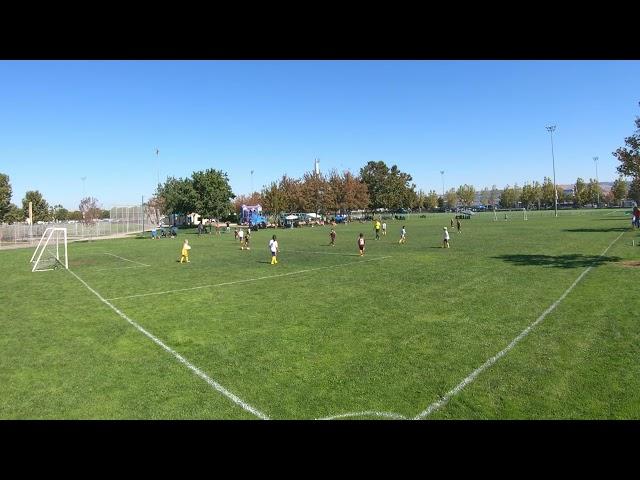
47 255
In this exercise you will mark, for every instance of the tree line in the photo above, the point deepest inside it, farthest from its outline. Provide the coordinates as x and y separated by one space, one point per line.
88 210
629 158
376 186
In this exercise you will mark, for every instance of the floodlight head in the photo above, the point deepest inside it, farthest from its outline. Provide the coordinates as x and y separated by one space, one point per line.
550 128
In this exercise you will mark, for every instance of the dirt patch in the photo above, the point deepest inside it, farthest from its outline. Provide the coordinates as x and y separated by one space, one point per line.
630 263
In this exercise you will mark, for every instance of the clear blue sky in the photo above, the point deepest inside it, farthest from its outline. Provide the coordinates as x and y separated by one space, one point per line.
483 122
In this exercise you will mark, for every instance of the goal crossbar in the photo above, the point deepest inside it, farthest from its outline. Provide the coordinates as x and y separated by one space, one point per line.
44 242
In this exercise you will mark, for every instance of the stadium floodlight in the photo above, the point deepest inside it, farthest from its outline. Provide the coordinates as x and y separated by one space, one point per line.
442 174
49 252
551 129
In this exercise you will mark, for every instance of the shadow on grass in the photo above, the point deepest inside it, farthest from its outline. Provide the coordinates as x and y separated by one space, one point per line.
558 261
592 230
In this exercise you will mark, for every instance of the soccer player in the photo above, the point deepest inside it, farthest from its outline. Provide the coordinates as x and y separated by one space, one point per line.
384 229
185 252
445 240
361 244
332 235
273 247
403 236
377 229
458 224
241 237
246 239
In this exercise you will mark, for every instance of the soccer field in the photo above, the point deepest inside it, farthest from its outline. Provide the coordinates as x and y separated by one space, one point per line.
534 319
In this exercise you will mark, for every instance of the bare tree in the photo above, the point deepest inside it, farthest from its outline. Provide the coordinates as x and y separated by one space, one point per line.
90 209
156 209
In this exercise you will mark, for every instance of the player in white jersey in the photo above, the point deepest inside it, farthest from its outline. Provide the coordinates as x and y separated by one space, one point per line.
273 247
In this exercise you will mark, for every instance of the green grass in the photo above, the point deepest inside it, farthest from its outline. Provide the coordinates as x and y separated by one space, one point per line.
331 333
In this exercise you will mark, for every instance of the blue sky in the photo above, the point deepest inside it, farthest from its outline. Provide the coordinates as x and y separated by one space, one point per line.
482 122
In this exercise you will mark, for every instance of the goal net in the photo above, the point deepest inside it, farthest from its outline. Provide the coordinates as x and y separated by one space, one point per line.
51 251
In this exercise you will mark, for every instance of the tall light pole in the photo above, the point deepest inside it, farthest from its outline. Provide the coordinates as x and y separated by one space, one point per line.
442 175
251 193
158 164
595 160
551 129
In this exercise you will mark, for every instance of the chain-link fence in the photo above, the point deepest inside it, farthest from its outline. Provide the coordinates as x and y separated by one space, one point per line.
124 220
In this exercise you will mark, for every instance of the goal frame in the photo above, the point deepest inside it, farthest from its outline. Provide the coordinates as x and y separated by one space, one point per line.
48 234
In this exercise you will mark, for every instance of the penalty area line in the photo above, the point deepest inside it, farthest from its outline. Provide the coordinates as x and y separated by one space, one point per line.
247 279
472 376
126 259
234 398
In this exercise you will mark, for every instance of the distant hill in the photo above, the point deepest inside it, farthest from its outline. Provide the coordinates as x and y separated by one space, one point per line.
606 188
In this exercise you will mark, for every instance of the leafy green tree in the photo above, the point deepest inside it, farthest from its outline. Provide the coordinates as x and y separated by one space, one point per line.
14 214
273 199
374 175
531 194
508 197
178 195
387 187
75 215
5 195
594 191
581 192
40 207
629 156
466 194
431 201
213 193
419 201
527 196
619 190
451 198
58 212
547 193
634 190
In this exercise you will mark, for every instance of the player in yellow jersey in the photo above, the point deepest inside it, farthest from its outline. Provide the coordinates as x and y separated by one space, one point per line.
185 252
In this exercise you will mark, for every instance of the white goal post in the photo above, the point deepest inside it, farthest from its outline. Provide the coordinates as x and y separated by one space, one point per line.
48 250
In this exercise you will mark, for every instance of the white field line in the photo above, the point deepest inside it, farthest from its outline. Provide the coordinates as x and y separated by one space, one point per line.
118 268
395 416
179 357
126 259
472 376
247 279
322 253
